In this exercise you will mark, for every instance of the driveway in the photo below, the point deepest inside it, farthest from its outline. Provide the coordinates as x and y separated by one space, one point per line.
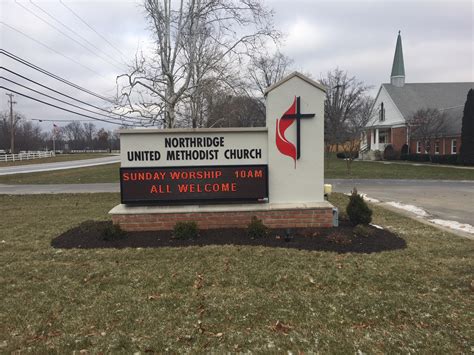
441 199
35 168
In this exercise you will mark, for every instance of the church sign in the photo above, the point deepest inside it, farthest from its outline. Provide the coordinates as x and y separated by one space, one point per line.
209 169
193 166
223 177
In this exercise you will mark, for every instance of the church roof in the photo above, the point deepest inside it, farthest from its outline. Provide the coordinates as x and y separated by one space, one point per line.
446 97
398 67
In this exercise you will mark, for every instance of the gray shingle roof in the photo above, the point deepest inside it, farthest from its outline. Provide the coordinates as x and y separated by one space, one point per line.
447 97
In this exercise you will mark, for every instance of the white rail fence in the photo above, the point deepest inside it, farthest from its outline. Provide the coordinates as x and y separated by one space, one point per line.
26 156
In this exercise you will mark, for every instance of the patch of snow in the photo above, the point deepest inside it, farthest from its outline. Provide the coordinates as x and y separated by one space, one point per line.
410 208
376 226
370 199
464 227
364 196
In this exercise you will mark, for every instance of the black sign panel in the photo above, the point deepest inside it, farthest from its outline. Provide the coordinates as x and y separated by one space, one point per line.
214 184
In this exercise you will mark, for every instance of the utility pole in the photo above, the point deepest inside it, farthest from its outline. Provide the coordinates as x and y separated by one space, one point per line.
12 126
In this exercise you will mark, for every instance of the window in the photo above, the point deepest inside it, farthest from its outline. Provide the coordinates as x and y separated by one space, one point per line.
436 147
382 113
418 147
454 147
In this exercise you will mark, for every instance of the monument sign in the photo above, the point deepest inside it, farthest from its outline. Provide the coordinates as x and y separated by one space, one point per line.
222 177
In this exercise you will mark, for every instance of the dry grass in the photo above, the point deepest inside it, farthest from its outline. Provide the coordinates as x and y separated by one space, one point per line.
199 299
335 169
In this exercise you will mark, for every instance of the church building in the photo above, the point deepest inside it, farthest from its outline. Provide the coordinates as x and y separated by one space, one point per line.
397 102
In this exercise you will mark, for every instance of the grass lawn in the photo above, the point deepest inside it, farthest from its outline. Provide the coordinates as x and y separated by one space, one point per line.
57 158
226 298
336 169
87 175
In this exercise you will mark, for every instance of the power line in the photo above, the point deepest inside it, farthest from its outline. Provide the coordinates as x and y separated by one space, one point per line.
50 120
450 108
77 34
64 34
97 33
52 49
65 109
69 97
54 76
59 100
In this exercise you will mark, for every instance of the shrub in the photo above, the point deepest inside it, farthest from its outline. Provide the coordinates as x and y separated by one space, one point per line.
404 150
185 230
343 155
436 158
445 159
377 155
112 232
362 230
358 211
389 153
256 228
418 157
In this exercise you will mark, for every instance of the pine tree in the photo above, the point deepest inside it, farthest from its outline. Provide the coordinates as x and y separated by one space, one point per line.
467 132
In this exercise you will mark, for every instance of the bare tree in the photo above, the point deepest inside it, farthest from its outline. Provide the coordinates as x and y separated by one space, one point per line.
354 128
28 135
193 39
266 69
236 111
6 129
344 99
89 133
425 125
103 139
74 133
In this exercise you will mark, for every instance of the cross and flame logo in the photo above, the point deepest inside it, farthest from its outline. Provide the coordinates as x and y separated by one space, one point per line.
282 124
284 145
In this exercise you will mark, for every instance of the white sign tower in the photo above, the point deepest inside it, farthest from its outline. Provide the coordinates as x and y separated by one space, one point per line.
297 173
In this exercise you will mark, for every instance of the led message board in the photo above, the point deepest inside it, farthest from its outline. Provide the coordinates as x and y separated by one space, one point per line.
168 185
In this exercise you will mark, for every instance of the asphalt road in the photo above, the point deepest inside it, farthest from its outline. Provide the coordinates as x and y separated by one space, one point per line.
449 200
35 168
446 200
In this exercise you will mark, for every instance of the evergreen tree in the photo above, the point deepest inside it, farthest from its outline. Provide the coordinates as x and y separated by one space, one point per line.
467 132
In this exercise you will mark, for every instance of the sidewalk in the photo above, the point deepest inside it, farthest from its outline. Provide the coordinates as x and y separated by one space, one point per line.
417 164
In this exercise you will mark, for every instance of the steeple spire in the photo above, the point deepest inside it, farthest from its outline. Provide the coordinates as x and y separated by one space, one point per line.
397 78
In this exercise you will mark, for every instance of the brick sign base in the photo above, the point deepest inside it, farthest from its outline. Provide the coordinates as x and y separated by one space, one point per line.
274 218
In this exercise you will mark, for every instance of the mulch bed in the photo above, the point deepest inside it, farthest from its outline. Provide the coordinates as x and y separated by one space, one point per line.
342 239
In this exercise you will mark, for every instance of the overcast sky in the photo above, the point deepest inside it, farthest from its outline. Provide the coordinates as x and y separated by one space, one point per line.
357 36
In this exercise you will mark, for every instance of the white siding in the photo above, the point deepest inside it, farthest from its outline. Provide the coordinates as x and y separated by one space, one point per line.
392 114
